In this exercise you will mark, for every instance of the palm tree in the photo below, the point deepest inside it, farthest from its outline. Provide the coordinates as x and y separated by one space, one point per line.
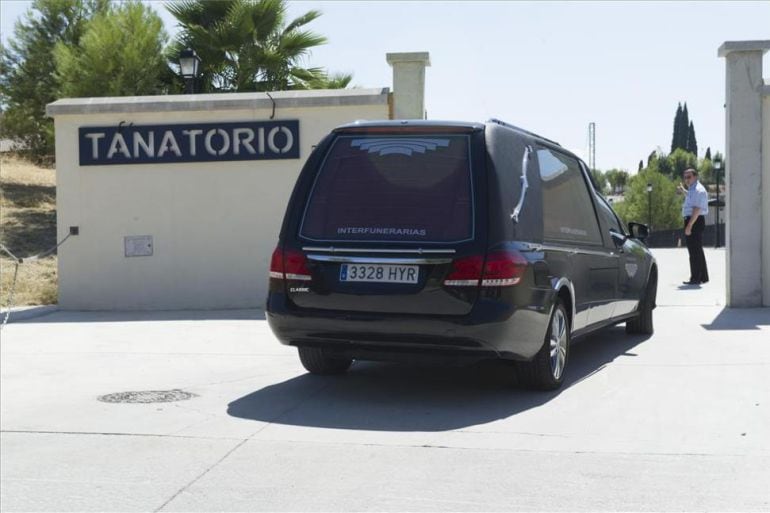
334 81
246 45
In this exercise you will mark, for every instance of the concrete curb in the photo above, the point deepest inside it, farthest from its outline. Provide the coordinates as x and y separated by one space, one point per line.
24 313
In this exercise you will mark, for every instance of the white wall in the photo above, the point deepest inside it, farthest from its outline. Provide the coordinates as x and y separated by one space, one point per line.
214 224
766 196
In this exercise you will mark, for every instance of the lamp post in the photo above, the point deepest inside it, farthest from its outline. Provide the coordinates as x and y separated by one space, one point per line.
189 65
717 167
649 205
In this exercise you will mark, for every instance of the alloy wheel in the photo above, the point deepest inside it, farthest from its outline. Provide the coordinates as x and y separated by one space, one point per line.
558 343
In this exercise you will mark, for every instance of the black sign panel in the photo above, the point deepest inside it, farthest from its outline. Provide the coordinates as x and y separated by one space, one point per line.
189 142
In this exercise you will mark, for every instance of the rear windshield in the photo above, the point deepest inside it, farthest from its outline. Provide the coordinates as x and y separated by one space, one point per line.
414 188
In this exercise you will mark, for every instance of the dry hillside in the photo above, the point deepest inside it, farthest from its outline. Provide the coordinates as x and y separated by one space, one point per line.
27 227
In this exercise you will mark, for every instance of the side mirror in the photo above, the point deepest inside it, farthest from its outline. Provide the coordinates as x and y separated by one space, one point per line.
639 231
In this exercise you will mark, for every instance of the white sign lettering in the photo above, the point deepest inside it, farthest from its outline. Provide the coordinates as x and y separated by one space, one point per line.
118 140
192 134
169 143
95 143
202 142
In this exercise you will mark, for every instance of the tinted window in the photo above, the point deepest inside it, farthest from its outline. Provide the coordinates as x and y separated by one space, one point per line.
393 188
606 212
568 213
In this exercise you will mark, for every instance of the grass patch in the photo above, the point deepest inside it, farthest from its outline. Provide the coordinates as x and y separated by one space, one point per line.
27 227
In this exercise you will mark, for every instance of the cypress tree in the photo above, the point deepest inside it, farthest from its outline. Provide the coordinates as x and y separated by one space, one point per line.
684 128
641 165
708 153
677 128
692 143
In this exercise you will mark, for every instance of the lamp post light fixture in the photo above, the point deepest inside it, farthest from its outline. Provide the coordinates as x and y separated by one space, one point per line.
189 65
717 167
649 205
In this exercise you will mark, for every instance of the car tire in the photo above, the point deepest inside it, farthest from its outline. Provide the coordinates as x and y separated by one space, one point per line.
318 361
642 324
546 370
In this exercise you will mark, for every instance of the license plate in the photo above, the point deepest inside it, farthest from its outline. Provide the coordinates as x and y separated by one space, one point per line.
379 273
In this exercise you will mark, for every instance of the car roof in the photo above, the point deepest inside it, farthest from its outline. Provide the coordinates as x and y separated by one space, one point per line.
468 125
410 122
522 131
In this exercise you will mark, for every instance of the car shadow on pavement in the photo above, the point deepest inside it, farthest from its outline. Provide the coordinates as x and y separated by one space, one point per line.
89 316
398 397
740 319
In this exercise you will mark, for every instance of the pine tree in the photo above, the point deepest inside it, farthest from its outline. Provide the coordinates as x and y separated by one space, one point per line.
708 153
27 78
677 128
692 143
120 54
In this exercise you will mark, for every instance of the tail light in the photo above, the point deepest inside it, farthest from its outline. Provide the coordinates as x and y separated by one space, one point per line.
503 269
499 269
465 272
276 264
289 264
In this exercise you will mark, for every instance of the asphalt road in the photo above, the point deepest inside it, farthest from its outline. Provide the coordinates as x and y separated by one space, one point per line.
676 421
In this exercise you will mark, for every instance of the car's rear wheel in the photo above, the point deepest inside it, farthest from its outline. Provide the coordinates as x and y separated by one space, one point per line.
642 323
546 370
316 360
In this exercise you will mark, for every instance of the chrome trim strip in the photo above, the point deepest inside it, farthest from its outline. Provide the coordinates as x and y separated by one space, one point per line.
377 260
524 183
594 253
419 251
570 250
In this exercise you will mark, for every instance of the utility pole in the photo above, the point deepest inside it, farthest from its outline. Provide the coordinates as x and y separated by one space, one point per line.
592 145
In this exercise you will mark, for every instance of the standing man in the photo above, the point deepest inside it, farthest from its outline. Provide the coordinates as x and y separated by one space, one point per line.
694 210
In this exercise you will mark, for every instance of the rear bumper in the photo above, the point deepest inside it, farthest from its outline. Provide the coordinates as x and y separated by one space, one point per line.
491 330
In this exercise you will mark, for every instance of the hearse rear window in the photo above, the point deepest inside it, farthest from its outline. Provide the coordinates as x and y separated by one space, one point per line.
414 188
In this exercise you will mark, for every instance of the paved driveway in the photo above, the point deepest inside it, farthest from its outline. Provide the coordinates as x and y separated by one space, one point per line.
676 421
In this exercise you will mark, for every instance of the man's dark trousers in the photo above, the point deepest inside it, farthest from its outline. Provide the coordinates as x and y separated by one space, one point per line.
698 271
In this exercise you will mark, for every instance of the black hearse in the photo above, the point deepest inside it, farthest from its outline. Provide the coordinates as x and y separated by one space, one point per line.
414 239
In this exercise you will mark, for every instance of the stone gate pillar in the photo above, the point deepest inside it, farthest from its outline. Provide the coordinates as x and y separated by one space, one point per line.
748 184
409 84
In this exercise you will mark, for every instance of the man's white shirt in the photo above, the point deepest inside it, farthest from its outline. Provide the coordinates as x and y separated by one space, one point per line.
696 197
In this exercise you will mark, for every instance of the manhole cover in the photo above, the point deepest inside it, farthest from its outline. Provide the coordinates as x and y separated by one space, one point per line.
147 396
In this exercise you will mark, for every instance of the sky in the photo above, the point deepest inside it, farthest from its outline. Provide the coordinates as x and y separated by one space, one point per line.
548 67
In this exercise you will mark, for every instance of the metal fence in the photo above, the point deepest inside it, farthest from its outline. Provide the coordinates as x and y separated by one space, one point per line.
675 238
